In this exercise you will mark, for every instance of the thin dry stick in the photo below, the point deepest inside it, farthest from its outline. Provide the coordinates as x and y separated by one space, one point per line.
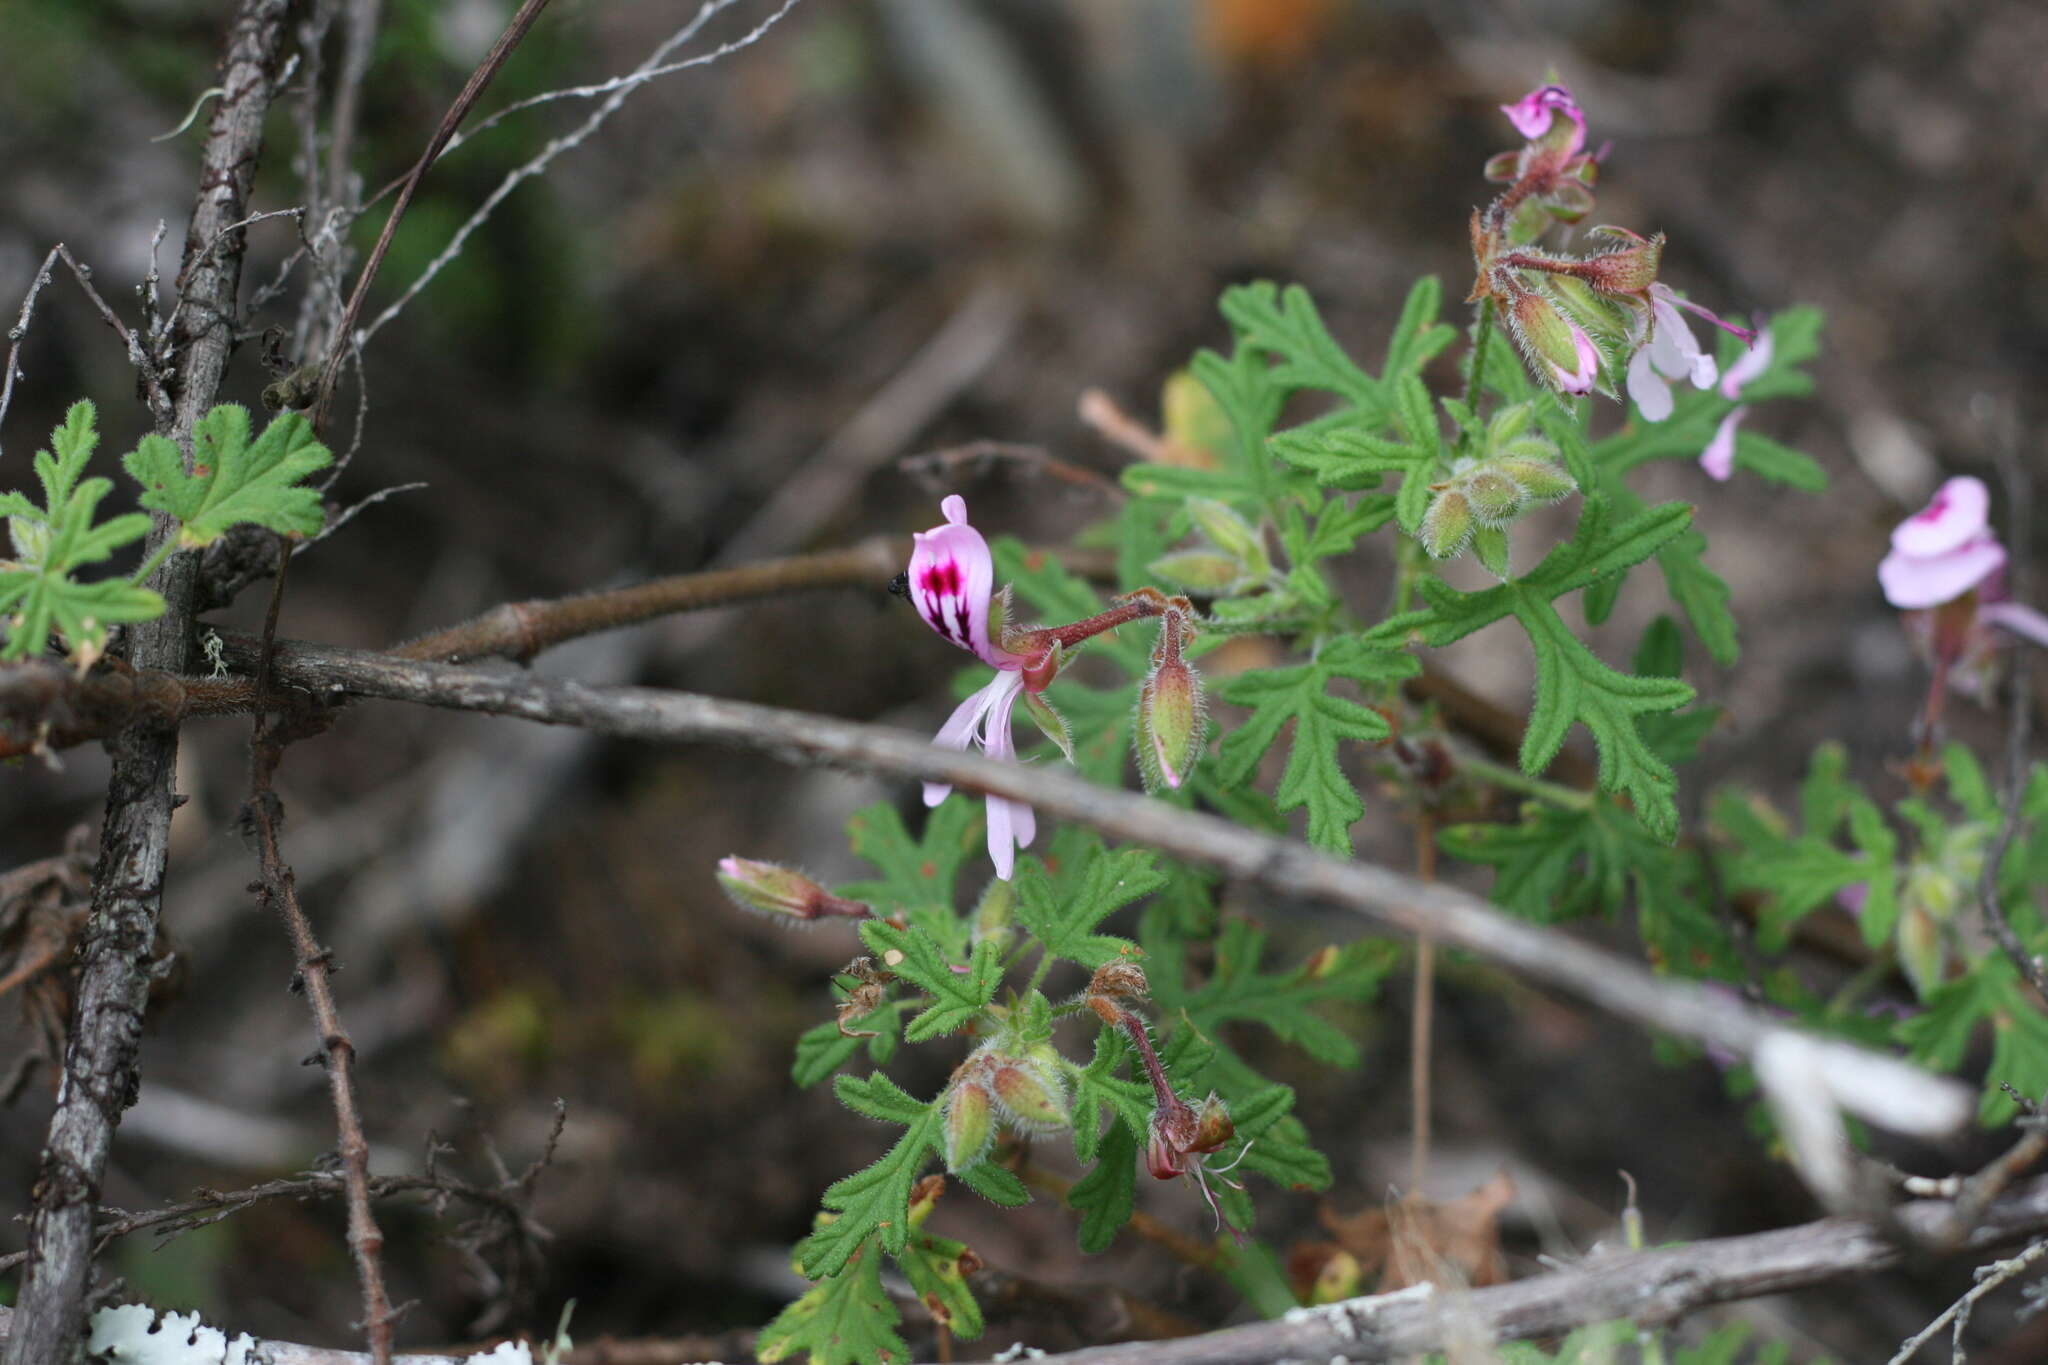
131 340
620 89
520 630
472 90
1422 1023
1884 1090
279 889
99 1063
1990 1277
2019 493
20 329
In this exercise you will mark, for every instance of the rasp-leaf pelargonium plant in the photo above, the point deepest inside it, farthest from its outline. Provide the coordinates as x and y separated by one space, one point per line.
1102 993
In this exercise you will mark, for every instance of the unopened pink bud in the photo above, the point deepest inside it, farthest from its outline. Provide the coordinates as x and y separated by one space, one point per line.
782 893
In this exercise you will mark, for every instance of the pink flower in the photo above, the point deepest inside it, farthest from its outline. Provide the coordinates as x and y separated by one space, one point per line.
1670 353
1943 550
952 577
1534 113
1718 459
1946 572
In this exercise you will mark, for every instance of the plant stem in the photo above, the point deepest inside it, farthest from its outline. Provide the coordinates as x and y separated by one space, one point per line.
1514 779
1423 1019
155 561
1482 333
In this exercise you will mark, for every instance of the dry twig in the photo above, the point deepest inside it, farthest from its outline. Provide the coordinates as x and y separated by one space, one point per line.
1884 1090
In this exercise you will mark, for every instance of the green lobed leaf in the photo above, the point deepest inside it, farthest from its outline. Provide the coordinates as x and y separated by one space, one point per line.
874 1201
1063 915
1102 1085
1106 1195
234 481
845 1319
917 877
1573 685
1283 1001
956 999
933 1267
1286 325
1314 777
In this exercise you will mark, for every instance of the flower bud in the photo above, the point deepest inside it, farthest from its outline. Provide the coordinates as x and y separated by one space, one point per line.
1630 269
1032 1090
1495 498
1447 524
1173 720
776 891
992 915
1213 1127
1199 571
1542 480
1612 320
1923 948
970 1124
1233 535
1557 348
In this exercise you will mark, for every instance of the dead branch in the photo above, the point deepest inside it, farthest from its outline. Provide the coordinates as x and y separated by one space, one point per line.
1653 1288
278 888
1882 1089
99 1064
1650 1287
343 342
617 91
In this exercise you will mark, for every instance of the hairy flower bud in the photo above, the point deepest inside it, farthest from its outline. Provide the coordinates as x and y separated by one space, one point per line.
1557 348
992 916
1173 720
1032 1090
970 1124
1447 525
1233 535
781 893
1199 571
1543 480
1495 498
1213 1127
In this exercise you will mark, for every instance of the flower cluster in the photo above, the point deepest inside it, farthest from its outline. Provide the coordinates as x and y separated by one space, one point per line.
951 581
1580 320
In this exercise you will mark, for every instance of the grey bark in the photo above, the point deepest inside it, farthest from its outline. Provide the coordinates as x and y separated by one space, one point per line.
99 1065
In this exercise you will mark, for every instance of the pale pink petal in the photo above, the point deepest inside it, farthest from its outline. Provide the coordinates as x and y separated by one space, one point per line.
952 575
1718 459
959 728
2018 618
1672 346
1912 581
1958 513
1744 371
1581 380
1024 823
1651 394
1002 843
